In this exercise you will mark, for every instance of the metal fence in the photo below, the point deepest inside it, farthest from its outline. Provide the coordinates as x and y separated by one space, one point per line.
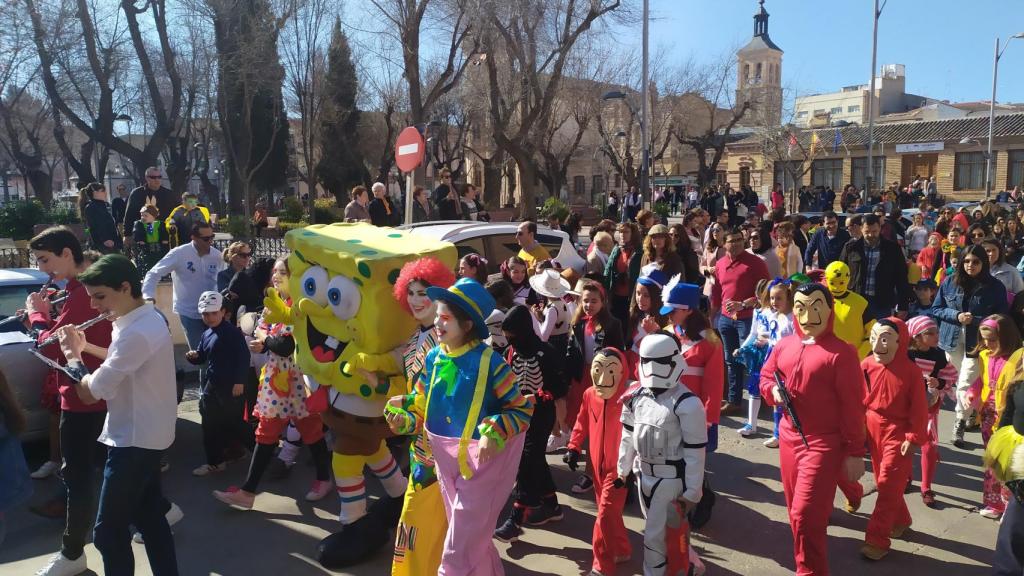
261 248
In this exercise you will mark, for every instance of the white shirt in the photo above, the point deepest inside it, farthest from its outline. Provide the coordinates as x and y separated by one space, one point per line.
191 275
137 382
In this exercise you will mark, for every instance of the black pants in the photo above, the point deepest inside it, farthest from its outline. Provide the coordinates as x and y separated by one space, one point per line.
1009 557
533 481
82 454
223 425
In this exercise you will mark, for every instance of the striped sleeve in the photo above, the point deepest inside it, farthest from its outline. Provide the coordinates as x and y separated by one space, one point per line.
416 401
949 375
516 410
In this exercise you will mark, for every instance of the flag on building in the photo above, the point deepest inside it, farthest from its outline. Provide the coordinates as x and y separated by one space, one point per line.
814 142
792 142
836 142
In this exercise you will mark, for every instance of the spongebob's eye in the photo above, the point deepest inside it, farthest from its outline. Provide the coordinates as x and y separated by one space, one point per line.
343 296
314 285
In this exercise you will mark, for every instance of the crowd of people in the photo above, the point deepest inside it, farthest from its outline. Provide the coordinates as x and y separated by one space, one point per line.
856 330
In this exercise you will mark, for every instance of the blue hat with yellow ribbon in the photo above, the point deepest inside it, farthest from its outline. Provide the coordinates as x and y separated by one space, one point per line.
471 297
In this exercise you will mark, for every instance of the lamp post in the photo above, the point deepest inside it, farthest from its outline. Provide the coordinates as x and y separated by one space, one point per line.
992 111
645 73
876 12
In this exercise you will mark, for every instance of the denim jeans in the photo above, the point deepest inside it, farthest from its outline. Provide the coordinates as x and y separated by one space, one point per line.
78 433
194 328
733 333
131 496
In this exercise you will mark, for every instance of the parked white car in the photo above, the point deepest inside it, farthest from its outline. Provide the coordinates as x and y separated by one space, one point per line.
24 373
496 241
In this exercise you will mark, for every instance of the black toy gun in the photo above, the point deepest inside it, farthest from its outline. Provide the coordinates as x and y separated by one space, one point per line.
787 405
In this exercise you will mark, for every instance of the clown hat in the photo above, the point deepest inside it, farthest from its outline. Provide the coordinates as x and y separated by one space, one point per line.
679 296
471 297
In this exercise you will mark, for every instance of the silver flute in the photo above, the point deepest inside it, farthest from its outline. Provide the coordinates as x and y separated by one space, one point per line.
83 326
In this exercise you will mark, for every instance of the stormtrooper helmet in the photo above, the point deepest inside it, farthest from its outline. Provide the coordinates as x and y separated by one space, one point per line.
661 361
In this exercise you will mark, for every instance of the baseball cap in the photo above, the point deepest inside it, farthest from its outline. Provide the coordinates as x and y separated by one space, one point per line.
210 301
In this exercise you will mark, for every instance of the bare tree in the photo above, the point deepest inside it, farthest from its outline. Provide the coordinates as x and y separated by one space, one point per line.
304 44
444 26
108 36
707 122
531 41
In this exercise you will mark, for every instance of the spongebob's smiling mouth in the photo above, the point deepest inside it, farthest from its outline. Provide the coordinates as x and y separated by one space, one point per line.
325 349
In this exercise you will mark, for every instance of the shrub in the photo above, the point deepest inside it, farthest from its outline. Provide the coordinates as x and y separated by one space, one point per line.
237 226
18 217
292 210
554 207
63 213
284 226
661 209
326 211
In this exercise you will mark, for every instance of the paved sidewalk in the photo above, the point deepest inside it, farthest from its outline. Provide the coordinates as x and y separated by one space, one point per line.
748 534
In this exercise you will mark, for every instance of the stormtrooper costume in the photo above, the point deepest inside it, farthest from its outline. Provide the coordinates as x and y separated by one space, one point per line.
663 438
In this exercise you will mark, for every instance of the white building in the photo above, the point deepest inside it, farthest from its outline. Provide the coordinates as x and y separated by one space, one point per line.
851 103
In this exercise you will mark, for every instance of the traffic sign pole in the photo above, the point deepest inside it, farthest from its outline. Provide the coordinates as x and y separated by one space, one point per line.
409 150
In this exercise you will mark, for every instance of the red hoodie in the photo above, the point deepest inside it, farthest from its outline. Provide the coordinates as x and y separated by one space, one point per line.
599 420
895 391
826 384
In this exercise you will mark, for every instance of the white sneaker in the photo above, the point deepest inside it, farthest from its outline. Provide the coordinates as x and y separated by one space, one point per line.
772 442
207 469
174 515
60 565
46 470
556 443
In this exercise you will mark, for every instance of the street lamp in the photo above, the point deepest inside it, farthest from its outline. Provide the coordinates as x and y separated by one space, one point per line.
876 12
992 111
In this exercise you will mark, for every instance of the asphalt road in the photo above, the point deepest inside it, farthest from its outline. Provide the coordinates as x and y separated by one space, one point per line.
748 533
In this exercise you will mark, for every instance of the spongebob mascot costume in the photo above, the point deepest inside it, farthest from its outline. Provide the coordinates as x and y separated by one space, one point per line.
349 335
852 321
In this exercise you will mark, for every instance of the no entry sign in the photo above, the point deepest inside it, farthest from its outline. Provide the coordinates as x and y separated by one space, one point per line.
409 149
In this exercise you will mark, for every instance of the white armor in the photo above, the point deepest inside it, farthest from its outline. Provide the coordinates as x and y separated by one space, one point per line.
664 434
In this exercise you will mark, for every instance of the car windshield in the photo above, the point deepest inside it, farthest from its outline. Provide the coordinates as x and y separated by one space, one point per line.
12 298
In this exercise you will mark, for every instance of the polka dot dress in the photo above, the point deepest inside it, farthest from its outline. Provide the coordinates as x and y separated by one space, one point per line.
281 393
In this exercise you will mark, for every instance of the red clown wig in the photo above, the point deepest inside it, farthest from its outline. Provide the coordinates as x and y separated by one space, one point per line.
429 271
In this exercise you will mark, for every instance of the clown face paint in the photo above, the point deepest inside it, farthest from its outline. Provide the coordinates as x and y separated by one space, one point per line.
811 312
449 331
606 371
884 342
837 276
423 309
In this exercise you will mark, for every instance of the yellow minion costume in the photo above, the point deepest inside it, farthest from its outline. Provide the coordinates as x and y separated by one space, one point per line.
349 336
852 325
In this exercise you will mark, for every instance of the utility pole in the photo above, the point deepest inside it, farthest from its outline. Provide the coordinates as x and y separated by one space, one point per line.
875 13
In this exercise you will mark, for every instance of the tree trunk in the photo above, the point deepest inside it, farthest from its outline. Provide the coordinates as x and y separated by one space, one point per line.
41 182
527 187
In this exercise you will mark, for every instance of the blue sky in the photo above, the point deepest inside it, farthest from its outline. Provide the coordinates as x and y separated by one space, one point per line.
946 45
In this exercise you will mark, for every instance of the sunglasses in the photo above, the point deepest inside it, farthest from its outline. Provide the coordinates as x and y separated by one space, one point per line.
152 177
244 254
206 238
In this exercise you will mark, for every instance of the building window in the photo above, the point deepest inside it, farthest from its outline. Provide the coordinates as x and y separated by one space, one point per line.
970 171
1015 177
801 114
579 185
744 176
828 173
785 177
597 188
836 110
858 171
853 109
819 111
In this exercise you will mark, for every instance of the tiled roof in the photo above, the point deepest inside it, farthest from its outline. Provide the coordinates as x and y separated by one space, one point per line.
952 130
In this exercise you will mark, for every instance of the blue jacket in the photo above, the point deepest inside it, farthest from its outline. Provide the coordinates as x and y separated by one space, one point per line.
828 249
226 354
987 299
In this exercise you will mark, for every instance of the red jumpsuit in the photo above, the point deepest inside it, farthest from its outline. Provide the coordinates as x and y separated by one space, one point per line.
897 410
599 420
827 388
